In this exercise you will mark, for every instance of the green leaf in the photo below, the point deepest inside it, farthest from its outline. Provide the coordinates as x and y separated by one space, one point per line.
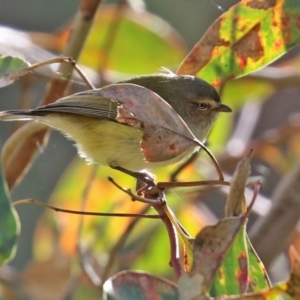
11 68
211 246
129 285
277 292
248 36
232 276
257 273
9 224
132 42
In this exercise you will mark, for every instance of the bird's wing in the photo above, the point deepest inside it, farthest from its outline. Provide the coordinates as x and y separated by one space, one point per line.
86 104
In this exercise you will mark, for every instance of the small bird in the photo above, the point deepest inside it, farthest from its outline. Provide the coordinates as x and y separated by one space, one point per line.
101 139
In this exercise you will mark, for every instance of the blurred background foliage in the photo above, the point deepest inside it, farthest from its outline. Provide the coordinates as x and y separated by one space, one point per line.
123 43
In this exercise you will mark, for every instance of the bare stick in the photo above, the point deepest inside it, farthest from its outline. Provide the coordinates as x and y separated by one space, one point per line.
165 185
86 213
214 160
159 204
255 193
67 60
282 77
282 218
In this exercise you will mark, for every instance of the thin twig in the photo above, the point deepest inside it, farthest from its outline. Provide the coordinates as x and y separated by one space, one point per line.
155 197
86 213
255 193
60 60
165 185
214 160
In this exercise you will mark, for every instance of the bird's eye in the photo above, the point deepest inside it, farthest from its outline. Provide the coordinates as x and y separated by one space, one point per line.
202 105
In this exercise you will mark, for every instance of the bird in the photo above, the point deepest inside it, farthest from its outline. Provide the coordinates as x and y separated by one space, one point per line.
90 121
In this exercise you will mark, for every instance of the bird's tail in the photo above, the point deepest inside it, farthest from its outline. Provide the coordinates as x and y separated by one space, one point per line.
17 115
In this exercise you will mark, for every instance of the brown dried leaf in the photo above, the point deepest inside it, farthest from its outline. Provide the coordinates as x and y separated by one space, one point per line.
293 284
165 133
47 279
235 203
210 247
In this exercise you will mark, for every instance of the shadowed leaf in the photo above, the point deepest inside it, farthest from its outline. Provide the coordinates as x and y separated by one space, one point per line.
11 68
9 224
129 285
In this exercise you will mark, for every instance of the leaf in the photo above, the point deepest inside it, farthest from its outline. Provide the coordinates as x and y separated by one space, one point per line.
85 289
275 293
190 288
248 36
210 247
119 33
235 202
9 224
293 284
128 285
258 277
47 279
18 43
165 133
232 277
11 68
135 36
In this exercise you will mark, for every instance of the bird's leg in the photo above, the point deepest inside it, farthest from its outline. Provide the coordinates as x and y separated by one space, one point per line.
144 179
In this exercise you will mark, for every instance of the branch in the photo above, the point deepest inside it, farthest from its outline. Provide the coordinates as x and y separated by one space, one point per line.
283 77
270 234
19 163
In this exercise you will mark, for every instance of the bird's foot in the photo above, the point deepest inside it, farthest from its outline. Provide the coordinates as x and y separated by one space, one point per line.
144 179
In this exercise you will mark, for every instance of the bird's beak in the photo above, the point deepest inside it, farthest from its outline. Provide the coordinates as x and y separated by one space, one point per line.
223 108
